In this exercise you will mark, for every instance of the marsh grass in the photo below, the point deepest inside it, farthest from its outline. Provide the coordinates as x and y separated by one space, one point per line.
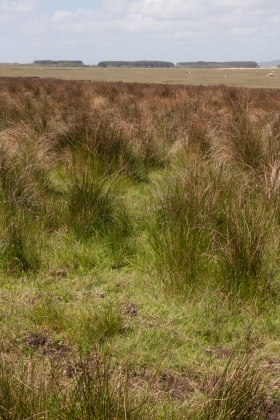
92 388
24 393
117 145
24 191
20 245
214 224
142 220
93 326
95 206
181 234
244 135
24 182
90 206
240 392
247 247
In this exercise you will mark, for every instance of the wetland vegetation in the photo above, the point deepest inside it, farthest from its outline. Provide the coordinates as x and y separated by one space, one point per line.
139 251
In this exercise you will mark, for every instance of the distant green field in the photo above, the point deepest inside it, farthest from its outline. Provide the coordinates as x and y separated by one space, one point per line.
256 78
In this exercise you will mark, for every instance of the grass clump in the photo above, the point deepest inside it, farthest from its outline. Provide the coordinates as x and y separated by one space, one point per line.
93 389
24 180
247 237
96 211
94 326
181 234
90 205
19 244
240 392
244 260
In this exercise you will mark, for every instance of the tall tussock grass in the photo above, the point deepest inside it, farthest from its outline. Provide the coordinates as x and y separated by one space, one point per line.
94 203
214 225
90 204
23 192
24 182
181 234
88 389
20 244
248 243
240 392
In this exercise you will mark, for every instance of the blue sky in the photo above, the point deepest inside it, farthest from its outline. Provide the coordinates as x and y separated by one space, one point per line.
171 30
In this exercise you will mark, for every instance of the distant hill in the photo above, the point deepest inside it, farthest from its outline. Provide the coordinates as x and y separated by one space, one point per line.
60 63
143 64
216 64
274 63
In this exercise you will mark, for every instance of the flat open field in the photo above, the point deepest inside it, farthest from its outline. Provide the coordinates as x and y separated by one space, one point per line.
256 78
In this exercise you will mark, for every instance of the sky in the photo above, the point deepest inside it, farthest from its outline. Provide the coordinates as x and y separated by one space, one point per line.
169 30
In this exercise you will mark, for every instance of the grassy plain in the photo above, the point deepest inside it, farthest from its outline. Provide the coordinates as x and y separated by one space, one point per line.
139 264
255 78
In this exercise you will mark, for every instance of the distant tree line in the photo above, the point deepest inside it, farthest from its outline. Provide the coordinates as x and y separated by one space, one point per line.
144 63
150 64
60 63
215 64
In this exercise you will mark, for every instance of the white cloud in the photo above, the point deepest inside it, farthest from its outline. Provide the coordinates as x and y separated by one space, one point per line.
275 19
18 7
69 42
231 17
242 31
66 17
168 9
156 22
147 16
17 11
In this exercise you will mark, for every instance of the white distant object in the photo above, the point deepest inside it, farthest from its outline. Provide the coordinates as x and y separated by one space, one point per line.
270 74
226 75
